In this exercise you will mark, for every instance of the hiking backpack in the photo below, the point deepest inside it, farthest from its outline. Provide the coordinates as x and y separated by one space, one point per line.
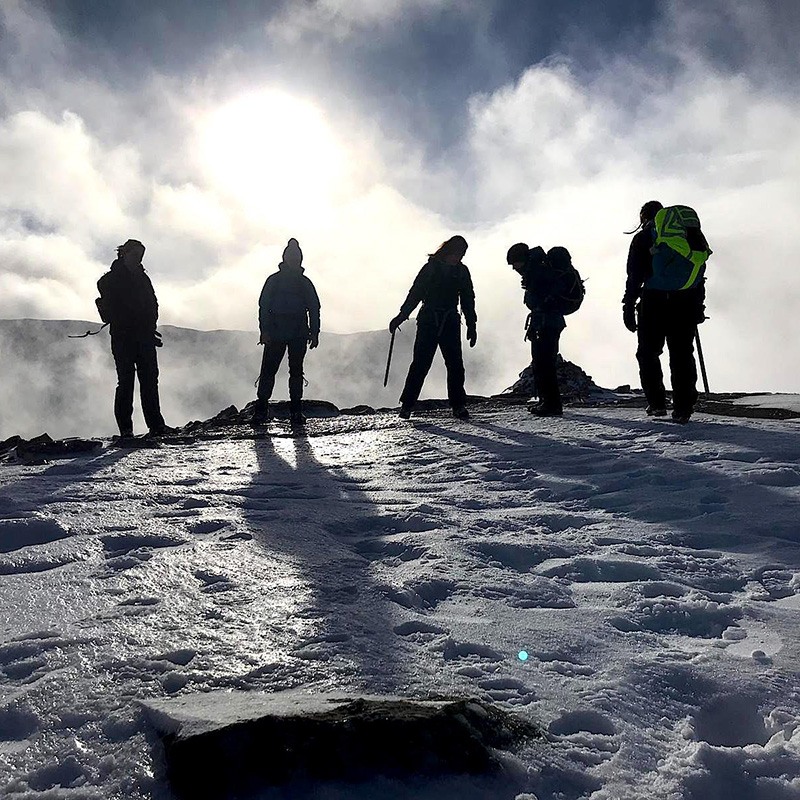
571 290
680 250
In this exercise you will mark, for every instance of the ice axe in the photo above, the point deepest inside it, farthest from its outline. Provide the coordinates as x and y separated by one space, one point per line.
701 360
389 360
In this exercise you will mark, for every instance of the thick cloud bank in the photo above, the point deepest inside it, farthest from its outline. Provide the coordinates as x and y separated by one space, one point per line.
215 168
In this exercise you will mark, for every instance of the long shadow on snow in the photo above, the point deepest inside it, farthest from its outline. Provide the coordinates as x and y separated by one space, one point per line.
322 519
749 434
727 511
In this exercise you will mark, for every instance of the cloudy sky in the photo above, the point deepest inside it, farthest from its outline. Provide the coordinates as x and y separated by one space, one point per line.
373 129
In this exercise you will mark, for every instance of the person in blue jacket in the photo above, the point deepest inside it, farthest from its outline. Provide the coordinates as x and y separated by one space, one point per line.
289 319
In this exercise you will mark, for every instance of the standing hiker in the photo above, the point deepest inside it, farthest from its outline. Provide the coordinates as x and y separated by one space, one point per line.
440 285
553 288
288 317
666 266
128 303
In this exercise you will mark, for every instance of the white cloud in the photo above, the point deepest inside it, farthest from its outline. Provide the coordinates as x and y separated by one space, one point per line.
554 158
340 19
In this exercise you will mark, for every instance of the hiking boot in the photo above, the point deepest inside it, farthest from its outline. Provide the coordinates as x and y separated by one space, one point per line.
126 434
297 418
681 417
162 430
404 412
545 410
460 412
260 413
656 411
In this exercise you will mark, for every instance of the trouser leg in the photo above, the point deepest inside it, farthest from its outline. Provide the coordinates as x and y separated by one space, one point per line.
147 370
297 353
270 361
682 367
651 334
125 364
450 345
424 350
544 353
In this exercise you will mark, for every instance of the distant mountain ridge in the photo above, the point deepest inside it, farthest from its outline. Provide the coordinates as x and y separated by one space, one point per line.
66 386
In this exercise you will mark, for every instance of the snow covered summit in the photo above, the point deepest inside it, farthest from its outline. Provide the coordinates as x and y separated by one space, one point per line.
631 586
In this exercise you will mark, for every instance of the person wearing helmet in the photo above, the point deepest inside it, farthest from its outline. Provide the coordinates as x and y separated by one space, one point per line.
289 319
440 286
128 303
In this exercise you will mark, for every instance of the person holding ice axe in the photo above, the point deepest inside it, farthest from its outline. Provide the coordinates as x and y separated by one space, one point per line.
440 286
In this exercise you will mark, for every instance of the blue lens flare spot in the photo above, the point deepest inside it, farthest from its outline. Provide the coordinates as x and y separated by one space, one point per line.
522 655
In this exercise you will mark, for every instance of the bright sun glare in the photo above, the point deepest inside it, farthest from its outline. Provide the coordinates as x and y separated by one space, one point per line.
276 155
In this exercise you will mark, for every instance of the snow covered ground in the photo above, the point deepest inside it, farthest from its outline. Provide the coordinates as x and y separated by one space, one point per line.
651 572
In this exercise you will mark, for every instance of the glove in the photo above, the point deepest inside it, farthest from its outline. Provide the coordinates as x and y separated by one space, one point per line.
264 339
157 339
629 316
396 323
700 317
313 341
472 336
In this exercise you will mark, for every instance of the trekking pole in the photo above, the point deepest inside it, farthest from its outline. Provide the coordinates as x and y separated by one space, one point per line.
701 360
389 360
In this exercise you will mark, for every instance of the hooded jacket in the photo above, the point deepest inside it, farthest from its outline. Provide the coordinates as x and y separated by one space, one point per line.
128 300
289 306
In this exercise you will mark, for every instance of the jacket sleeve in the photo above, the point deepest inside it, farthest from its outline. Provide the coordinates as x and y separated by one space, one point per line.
264 302
466 294
151 301
312 306
640 265
417 292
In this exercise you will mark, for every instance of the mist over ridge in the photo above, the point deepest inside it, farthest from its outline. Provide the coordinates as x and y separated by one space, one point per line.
66 386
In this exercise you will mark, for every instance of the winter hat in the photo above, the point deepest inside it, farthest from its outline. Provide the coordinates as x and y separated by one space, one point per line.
292 254
517 253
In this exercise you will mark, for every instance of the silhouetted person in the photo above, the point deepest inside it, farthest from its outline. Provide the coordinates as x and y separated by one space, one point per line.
288 316
663 316
545 322
127 301
440 285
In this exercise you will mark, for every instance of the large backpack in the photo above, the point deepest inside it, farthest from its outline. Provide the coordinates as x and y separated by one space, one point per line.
570 291
680 250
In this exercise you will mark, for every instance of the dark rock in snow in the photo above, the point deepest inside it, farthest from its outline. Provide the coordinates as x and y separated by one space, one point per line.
43 446
574 383
225 744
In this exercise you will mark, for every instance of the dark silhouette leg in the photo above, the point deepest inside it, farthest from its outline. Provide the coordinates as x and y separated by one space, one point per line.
297 353
682 367
544 353
270 361
124 354
450 345
651 333
147 369
424 350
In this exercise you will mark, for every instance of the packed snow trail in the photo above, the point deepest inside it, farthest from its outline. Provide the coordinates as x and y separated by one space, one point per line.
650 571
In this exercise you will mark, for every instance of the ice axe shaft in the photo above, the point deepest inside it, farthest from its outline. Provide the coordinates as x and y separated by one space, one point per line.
389 360
701 360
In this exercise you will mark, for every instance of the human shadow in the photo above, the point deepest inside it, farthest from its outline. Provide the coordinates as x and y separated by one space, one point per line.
758 438
304 505
701 507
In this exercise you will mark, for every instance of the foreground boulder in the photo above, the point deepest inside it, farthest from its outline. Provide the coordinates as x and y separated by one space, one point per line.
223 744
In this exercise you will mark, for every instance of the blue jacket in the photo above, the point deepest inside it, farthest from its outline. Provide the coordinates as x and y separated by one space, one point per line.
288 307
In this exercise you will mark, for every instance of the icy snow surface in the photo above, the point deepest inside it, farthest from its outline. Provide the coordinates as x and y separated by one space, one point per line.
650 571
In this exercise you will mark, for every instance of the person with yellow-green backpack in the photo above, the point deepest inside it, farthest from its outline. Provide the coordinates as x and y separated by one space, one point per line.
664 302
